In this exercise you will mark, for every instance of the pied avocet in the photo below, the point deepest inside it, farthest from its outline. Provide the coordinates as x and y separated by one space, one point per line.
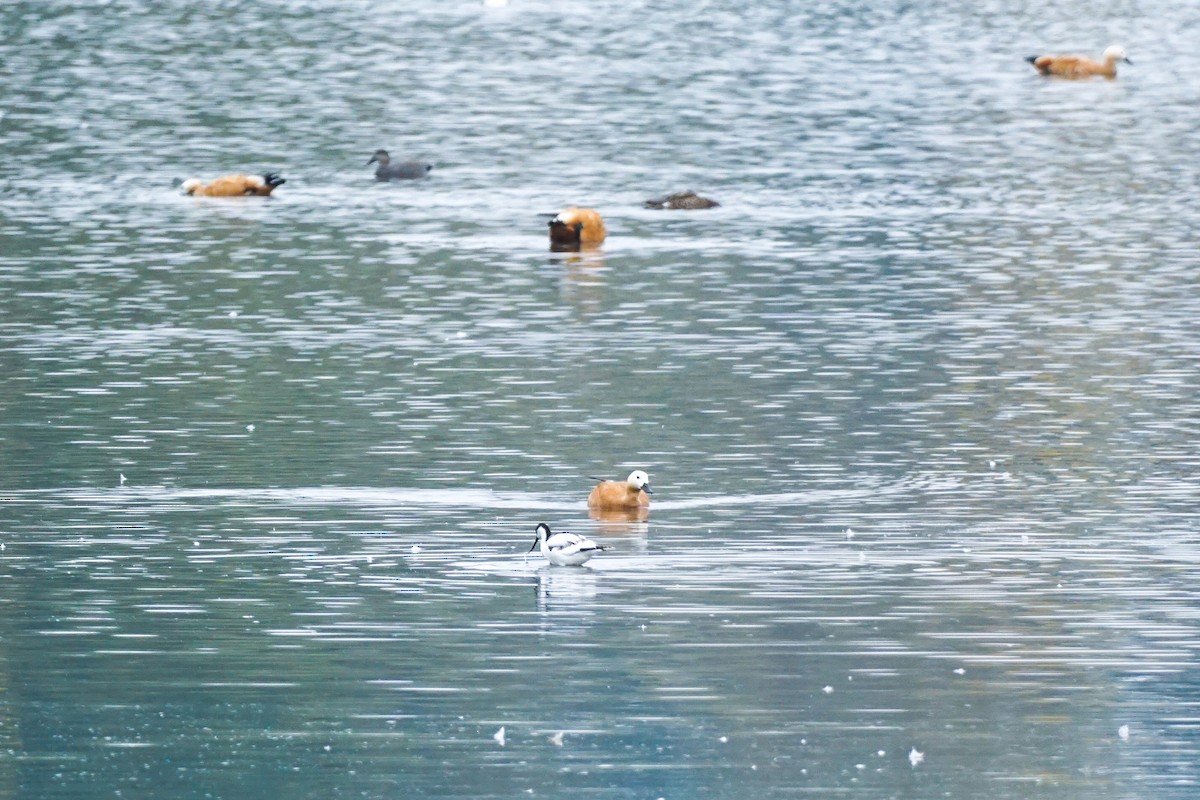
564 549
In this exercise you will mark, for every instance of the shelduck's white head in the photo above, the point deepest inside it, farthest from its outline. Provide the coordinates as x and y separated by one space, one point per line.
639 481
1116 53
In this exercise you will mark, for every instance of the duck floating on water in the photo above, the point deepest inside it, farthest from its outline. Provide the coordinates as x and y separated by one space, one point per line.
1077 67
631 493
404 171
235 186
565 549
684 200
575 227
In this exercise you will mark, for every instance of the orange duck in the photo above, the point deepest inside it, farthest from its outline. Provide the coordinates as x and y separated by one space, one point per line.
631 493
573 228
235 186
1076 67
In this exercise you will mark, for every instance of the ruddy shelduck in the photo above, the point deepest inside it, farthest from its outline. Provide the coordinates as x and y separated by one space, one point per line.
574 227
235 186
1076 67
681 200
404 171
564 549
632 492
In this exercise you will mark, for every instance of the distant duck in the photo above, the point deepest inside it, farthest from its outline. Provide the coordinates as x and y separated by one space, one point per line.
1076 67
574 227
235 186
564 549
686 200
632 492
404 171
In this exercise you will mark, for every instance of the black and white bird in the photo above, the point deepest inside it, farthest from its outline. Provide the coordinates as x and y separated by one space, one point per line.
564 549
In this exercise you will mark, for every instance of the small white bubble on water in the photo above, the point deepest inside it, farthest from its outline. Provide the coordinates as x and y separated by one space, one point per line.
915 757
828 690
1123 732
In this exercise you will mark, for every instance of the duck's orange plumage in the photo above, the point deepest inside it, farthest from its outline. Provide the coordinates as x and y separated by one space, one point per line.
235 186
1077 67
633 492
573 227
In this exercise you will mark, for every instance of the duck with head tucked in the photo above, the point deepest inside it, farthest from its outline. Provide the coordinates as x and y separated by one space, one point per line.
403 171
681 200
1077 67
575 227
234 186
632 493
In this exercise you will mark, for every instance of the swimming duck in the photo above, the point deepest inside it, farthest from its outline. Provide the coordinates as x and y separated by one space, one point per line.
686 200
1076 67
235 186
632 492
573 227
564 549
404 171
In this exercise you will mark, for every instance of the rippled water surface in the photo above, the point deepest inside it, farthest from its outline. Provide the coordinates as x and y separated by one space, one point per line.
918 402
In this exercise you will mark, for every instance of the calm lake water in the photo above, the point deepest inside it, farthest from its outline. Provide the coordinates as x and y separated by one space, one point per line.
920 402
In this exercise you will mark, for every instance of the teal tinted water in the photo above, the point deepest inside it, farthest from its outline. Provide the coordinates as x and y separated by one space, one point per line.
918 402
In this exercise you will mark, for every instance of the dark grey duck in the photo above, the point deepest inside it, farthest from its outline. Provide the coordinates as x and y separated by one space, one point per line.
404 171
681 200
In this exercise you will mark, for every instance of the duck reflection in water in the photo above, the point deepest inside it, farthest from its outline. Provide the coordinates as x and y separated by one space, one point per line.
621 520
570 592
582 284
